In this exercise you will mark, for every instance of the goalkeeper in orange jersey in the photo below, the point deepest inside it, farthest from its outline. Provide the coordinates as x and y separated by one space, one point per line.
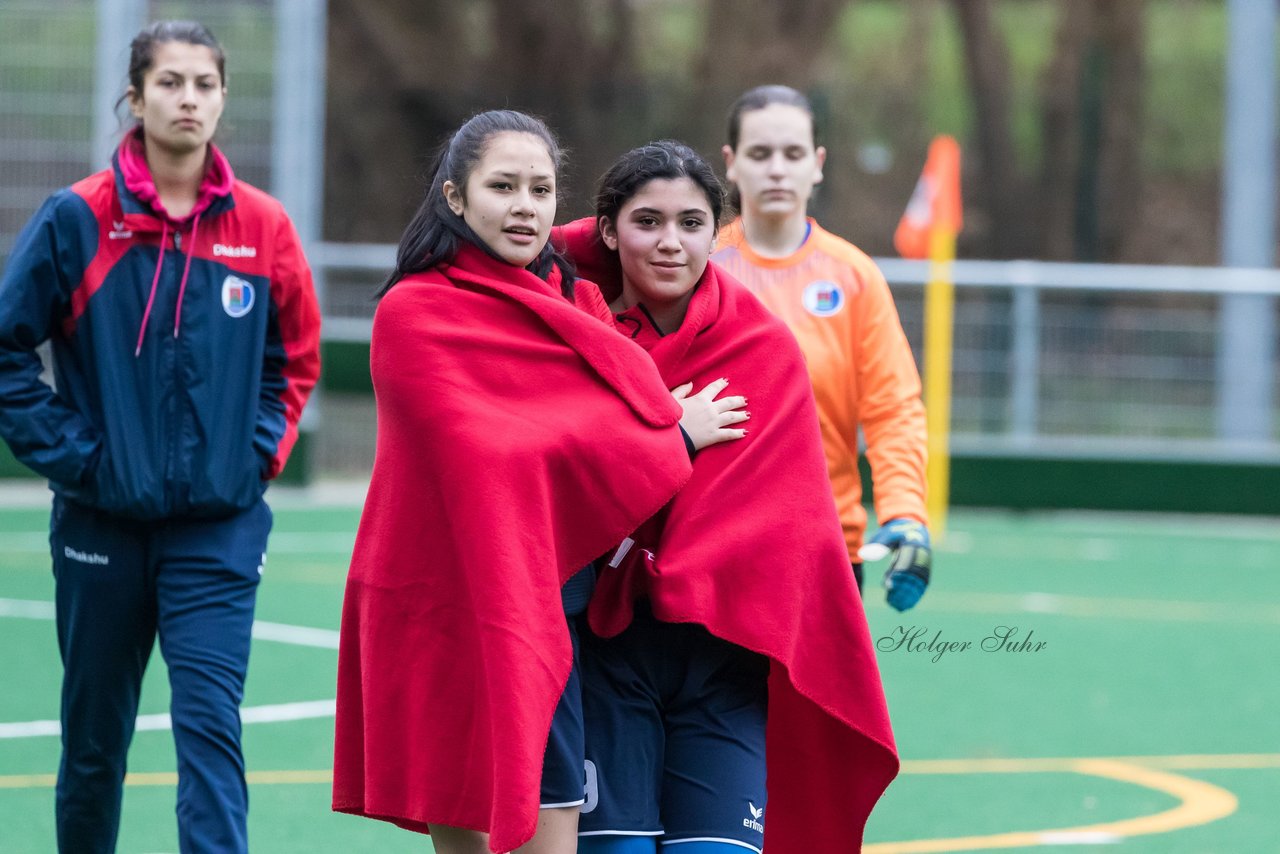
838 305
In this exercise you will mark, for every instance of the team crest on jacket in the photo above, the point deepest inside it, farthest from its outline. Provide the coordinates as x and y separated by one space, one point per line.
823 298
237 296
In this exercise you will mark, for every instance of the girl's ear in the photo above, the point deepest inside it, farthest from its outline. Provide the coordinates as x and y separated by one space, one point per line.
819 160
608 233
730 175
134 97
453 197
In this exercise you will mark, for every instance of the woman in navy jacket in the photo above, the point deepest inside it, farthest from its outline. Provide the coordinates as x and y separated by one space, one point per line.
185 338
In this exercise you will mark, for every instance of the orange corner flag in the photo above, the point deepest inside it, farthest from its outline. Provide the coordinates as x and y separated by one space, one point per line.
935 203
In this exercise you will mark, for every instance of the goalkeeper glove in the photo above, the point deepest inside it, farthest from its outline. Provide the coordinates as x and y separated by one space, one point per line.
908 573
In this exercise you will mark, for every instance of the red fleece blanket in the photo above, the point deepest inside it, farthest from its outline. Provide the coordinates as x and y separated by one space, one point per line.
752 549
518 439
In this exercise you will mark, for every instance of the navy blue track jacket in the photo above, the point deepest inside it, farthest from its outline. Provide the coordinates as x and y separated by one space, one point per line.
184 350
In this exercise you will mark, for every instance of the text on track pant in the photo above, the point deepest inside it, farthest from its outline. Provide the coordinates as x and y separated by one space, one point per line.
120 584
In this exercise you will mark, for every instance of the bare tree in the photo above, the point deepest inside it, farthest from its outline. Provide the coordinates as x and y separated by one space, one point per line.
387 110
1088 195
751 43
1000 190
572 63
1060 131
404 72
1121 35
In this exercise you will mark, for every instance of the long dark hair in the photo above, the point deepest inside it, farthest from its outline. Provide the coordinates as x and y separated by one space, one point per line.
432 236
665 158
142 50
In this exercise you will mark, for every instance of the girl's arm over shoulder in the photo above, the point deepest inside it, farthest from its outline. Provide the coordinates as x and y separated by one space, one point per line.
707 420
587 297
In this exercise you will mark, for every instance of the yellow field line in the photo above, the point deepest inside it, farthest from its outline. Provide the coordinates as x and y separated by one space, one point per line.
1200 802
1207 763
28 781
1190 762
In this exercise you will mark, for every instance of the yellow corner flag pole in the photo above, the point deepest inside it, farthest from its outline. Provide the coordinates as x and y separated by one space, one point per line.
939 320
928 229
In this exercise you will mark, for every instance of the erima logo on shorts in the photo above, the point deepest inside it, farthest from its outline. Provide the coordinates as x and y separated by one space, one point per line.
823 298
756 822
237 296
85 557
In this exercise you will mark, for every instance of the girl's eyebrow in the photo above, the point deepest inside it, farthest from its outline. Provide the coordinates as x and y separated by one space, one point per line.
510 176
173 72
685 212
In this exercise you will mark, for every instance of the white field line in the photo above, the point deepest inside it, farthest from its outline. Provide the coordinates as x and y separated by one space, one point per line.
28 609
286 542
33 494
296 635
251 715
1079 837
34 609
278 632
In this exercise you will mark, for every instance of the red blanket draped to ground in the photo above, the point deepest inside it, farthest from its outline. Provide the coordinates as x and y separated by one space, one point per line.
518 439
752 549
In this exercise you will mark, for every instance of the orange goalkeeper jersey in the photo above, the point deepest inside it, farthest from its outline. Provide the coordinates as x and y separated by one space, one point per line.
838 305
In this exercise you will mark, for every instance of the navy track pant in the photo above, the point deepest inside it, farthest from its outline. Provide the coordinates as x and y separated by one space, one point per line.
120 584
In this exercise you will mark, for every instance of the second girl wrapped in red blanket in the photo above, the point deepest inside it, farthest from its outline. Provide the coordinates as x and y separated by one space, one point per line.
732 638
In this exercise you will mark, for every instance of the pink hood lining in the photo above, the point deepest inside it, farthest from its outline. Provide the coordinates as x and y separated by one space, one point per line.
132 157
218 181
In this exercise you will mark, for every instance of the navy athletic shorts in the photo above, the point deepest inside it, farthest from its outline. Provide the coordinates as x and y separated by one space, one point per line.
563 777
675 735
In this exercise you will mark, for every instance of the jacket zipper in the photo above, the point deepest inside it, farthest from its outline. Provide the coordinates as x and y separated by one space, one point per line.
172 480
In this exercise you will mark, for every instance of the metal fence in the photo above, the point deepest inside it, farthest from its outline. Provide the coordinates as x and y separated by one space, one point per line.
1050 359
1094 360
46 105
1058 360
63 67
60 80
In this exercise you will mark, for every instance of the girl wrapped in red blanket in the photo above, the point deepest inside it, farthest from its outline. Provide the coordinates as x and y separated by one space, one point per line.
501 411
738 597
